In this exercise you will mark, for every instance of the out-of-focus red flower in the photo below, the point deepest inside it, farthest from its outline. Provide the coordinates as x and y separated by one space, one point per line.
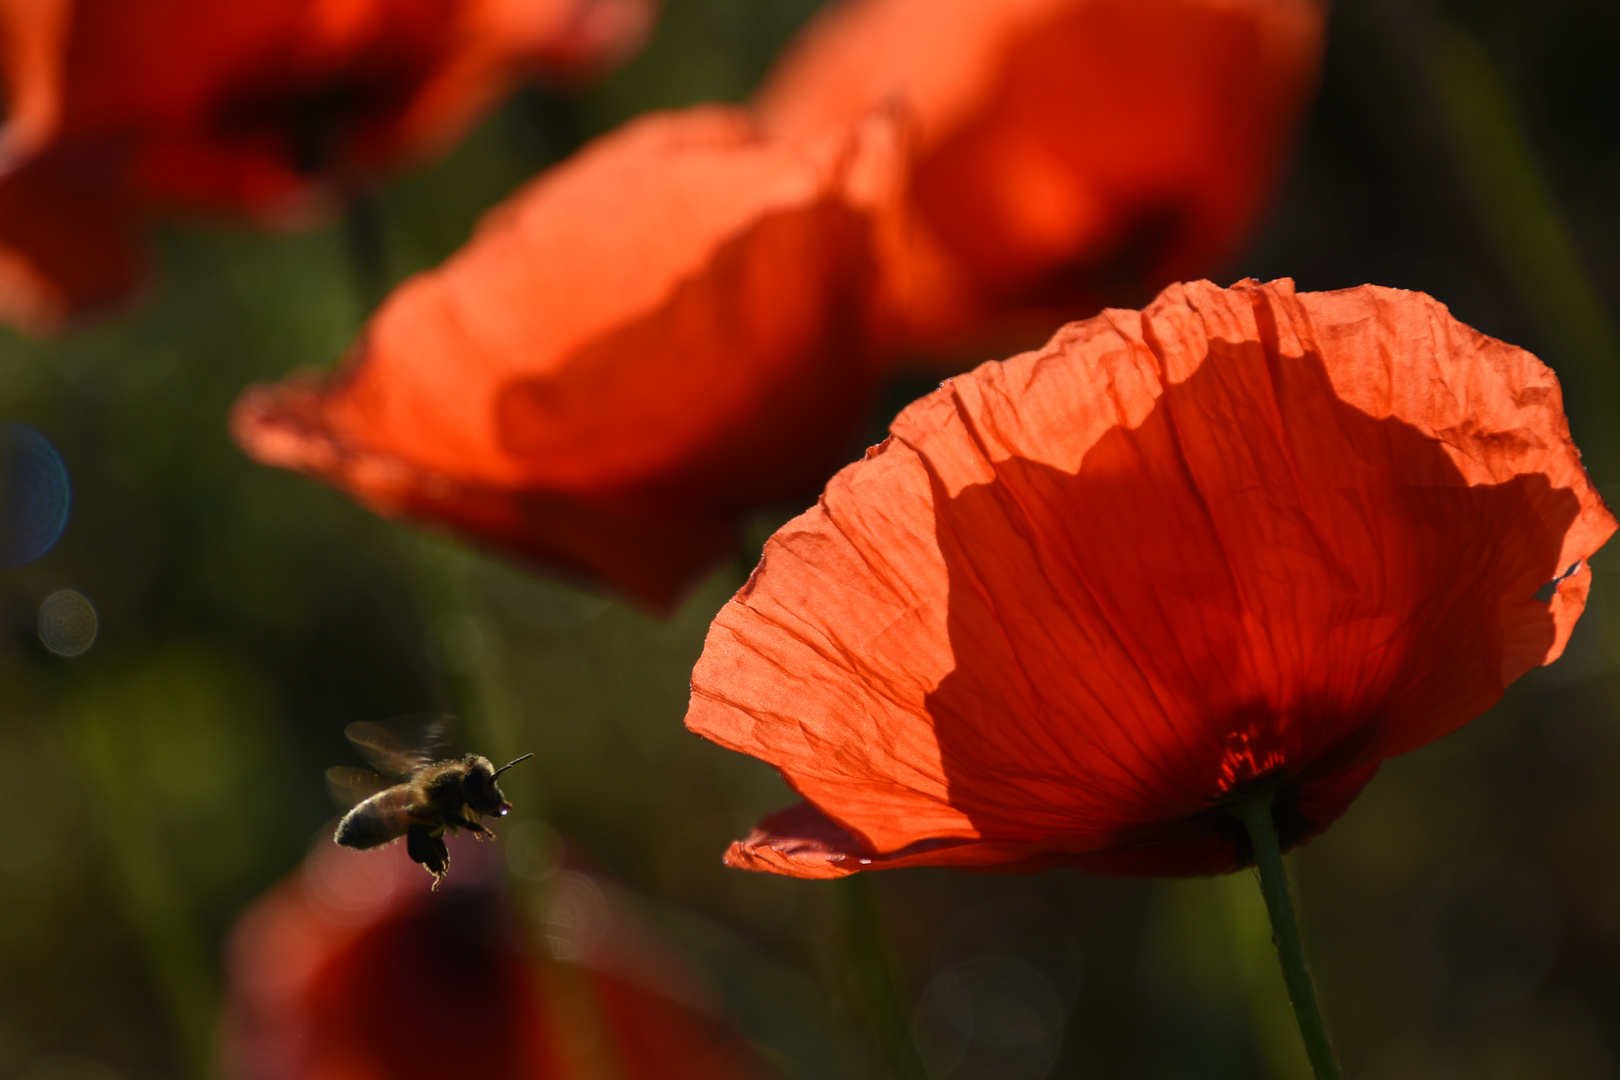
1082 598
633 352
269 108
1068 153
353 970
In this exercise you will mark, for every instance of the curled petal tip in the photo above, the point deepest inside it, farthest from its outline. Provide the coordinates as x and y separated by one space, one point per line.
800 842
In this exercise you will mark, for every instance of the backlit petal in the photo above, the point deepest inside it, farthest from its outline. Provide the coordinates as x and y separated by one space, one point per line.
636 350
1080 597
1069 152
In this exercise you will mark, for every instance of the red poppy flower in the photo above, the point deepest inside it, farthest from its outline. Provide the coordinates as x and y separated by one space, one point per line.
1068 152
260 107
1082 598
352 970
634 351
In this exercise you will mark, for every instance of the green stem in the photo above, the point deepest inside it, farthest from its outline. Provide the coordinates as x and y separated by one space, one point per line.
1255 813
1534 242
875 978
477 684
368 259
151 893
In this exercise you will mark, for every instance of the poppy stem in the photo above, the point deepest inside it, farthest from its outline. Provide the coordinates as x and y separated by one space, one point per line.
1534 240
1255 813
152 890
363 237
875 980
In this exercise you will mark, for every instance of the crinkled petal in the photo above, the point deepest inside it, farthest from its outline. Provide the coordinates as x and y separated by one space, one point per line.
1081 597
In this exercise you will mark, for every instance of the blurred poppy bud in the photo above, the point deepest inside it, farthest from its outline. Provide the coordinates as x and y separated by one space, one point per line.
1066 153
269 109
352 969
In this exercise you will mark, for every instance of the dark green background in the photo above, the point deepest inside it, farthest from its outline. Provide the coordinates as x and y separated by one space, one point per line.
1464 917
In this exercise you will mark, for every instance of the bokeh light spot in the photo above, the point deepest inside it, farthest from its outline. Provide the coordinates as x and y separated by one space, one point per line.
34 495
577 916
349 887
989 1018
1021 928
67 623
533 850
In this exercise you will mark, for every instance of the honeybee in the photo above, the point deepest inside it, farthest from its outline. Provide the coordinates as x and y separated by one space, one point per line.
433 792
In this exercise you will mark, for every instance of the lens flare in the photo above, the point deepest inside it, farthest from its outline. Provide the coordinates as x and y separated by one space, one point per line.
34 495
67 623
989 1018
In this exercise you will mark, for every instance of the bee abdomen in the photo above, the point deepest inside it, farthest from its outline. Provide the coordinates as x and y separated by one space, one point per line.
375 821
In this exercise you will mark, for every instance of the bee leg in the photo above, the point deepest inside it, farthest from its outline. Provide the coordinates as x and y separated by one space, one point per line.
429 850
471 826
419 844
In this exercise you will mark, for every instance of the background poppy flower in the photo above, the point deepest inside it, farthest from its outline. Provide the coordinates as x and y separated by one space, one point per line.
268 108
1081 598
641 346
1463 910
31 36
1068 153
352 969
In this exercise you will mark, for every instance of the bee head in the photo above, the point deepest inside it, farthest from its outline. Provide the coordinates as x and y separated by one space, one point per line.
479 789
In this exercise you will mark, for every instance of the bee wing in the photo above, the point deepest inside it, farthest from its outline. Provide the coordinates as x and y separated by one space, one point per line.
350 786
404 745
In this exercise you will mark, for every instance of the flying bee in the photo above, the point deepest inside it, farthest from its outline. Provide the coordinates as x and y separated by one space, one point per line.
431 793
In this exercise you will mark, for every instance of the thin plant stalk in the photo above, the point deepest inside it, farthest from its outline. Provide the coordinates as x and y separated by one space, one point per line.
467 649
875 979
1532 238
1255 813
367 253
151 892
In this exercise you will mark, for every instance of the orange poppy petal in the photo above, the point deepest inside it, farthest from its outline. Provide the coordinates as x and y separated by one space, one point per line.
274 109
1082 596
1068 151
31 36
64 244
572 40
633 352
67 245
291 94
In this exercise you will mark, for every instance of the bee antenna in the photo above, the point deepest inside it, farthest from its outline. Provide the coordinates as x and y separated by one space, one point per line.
511 763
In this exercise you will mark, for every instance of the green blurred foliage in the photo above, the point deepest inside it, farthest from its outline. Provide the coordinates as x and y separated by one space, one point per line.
1464 918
